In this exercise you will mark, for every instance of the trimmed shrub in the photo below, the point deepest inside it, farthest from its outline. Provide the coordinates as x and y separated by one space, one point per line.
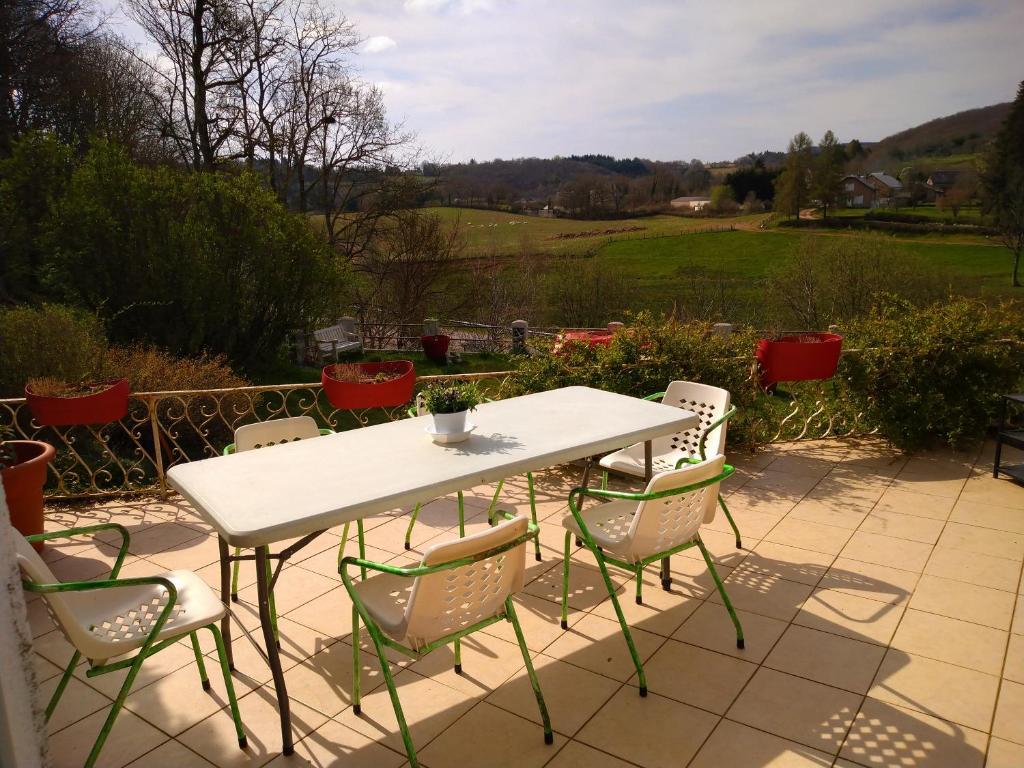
934 374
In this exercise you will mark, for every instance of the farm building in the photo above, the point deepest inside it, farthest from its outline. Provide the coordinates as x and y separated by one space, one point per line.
871 191
692 203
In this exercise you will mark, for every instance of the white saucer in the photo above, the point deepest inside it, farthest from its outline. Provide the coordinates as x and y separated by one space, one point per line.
442 438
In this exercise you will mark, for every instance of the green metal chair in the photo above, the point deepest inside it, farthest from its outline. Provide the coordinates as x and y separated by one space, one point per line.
460 587
112 617
418 410
712 406
264 434
633 530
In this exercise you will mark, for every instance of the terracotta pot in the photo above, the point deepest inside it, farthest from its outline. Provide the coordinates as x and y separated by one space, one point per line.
800 357
111 404
23 484
436 347
352 395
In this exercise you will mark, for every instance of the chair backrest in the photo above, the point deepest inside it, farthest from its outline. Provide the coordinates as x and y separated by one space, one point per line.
710 404
275 431
661 524
447 601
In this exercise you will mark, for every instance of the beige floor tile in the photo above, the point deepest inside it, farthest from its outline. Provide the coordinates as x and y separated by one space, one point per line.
490 736
957 642
763 593
941 488
859 618
177 702
887 550
161 537
781 483
586 585
800 710
796 463
571 694
539 619
662 612
790 563
710 627
982 488
975 568
171 753
1009 720
696 676
826 658
295 587
878 582
829 512
651 731
734 744
84 565
79 700
752 524
829 539
130 738
191 554
325 562
959 600
722 547
1013 668
690 575
940 465
901 526
429 707
333 745
904 500
984 541
577 755
852 490
330 614
885 735
487 662
597 644
1004 754
215 739
989 516
44 669
324 681
936 688
155 668
760 500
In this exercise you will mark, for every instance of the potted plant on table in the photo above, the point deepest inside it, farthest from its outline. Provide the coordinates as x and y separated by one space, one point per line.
353 386
23 466
56 403
449 403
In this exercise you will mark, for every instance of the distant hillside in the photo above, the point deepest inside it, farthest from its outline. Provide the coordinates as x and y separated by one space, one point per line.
945 141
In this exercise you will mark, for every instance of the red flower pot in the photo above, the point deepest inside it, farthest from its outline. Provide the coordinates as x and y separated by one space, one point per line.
354 395
436 347
23 485
800 357
110 404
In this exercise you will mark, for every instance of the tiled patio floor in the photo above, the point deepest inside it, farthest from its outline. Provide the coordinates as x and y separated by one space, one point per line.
880 598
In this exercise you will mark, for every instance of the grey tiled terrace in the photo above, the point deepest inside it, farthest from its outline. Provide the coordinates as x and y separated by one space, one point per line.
879 594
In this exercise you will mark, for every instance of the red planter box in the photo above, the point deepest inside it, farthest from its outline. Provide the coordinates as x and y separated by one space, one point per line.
436 347
801 357
99 408
352 395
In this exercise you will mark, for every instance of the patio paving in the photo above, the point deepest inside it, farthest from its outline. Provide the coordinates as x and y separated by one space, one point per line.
880 597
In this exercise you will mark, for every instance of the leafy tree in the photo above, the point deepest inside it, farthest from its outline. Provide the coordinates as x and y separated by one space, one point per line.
827 174
722 199
758 180
1003 182
792 187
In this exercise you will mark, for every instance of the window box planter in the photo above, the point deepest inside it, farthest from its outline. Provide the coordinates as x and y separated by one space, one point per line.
436 347
101 407
367 393
799 357
23 483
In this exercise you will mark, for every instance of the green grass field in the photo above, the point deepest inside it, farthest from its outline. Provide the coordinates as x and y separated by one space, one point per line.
968 211
691 268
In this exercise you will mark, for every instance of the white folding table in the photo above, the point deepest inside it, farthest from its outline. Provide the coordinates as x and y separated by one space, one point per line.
300 489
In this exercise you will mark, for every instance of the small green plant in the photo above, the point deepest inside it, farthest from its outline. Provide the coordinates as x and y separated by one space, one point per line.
452 397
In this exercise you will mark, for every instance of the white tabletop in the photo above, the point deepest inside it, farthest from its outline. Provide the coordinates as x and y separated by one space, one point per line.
259 497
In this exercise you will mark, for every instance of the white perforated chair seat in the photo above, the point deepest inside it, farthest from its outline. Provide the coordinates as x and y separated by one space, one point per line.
417 611
608 525
111 621
635 531
709 403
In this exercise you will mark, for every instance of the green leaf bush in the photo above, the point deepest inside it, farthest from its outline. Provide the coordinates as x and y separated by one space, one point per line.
934 374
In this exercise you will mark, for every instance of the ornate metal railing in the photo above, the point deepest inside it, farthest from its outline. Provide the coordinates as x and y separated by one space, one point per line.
162 429
166 428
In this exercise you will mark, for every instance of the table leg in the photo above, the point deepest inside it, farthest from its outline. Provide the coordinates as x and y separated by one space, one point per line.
273 655
666 568
225 596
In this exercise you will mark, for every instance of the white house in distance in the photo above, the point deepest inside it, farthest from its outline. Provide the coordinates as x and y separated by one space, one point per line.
691 203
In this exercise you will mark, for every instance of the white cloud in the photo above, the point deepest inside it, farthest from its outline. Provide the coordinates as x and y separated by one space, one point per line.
378 43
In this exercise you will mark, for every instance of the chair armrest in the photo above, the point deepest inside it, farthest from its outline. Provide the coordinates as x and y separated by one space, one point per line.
711 428
655 396
68 533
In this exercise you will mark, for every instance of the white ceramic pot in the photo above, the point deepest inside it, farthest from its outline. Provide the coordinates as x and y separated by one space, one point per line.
450 423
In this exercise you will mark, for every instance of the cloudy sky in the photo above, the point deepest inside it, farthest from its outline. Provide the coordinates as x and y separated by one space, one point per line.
675 79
